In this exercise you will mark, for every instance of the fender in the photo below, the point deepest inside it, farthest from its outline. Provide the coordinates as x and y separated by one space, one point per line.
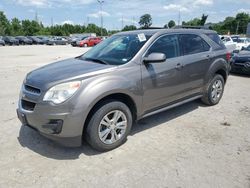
218 64
99 88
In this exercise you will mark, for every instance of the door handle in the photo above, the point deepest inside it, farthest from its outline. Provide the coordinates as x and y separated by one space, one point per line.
208 57
179 66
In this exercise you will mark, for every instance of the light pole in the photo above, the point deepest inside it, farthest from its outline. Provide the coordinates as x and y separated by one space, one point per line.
101 2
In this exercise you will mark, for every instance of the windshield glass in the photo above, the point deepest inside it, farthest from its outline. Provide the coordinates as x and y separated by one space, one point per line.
118 49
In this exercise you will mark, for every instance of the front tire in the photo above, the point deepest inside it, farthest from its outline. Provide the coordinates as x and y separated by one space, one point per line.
109 126
214 91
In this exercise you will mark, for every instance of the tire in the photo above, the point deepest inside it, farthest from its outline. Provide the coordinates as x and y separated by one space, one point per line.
114 137
214 91
85 45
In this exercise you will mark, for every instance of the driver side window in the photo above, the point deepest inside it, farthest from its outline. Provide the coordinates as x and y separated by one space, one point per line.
167 45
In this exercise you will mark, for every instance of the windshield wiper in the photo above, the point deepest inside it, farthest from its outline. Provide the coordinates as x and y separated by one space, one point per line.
97 60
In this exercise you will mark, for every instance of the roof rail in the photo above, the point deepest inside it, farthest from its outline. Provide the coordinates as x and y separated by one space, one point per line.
190 27
151 28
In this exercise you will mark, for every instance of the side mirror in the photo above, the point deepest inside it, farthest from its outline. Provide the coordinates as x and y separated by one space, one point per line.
155 58
243 48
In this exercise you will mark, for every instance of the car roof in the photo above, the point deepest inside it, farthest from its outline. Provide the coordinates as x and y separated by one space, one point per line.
163 31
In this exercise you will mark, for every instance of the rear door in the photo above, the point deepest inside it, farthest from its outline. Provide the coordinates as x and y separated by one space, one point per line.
196 60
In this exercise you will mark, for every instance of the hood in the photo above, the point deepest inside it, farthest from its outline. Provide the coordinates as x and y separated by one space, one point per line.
63 71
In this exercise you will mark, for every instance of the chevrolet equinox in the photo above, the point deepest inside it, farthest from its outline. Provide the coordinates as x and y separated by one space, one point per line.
98 95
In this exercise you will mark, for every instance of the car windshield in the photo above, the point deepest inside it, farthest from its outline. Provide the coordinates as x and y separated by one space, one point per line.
117 50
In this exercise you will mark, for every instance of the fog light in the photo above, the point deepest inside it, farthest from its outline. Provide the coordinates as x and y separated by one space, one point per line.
54 126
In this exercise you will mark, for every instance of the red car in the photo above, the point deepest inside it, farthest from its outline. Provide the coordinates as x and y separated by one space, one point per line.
90 41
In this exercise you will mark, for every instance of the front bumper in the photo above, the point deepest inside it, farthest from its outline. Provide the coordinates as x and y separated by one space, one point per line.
242 68
61 123
35 122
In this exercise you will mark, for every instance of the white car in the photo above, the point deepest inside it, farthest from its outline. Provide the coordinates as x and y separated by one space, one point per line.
229 43
242 43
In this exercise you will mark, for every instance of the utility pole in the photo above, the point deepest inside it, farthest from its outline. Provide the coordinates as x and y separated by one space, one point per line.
101 3
237 28
122 23
87 21
36 17
52 22
179 17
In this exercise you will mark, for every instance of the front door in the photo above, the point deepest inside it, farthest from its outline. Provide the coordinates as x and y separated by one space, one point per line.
161 81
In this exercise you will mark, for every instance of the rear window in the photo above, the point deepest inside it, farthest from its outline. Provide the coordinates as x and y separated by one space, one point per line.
214 37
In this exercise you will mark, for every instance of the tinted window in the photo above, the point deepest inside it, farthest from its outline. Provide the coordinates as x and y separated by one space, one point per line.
168 45
192 44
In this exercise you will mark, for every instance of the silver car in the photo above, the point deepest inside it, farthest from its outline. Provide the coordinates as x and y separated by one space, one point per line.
131 75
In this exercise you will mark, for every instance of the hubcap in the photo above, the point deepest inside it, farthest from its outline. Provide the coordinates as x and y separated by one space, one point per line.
217 89
112 127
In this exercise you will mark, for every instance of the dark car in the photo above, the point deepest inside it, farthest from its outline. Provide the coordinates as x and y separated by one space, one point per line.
57 41
2 43
240 62
23 40
44 39
75 41
10 40
35 40
131 75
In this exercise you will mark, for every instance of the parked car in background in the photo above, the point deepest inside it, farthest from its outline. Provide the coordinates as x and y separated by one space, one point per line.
90 41
23 40
242 43
240 62
75 40
35 40
229 43
10 40
45 39
131 75
57 41
2 43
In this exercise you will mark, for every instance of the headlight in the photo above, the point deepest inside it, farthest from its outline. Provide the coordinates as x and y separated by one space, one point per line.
61 92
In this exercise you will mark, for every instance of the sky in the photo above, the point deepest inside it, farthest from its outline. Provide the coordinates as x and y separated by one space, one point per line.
118 13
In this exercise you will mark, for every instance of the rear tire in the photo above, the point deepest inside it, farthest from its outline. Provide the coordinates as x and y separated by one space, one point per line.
214 90
109 126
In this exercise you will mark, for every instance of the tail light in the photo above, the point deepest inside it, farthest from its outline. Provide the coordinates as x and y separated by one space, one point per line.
228 56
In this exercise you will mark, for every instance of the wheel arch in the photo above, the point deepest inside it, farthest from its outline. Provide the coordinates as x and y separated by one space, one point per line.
122 97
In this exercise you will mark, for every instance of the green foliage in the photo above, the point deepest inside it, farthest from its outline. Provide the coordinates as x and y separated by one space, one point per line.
197 21
233 25
4 25
171 23
129 28
16 27
28 28
145 21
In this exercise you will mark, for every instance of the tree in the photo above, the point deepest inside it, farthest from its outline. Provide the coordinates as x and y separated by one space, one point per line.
16 27
4 25
242 20
129 28
145 21
171 23
203 19
197 21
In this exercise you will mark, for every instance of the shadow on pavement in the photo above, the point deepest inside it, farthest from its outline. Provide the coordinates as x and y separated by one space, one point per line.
34 141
